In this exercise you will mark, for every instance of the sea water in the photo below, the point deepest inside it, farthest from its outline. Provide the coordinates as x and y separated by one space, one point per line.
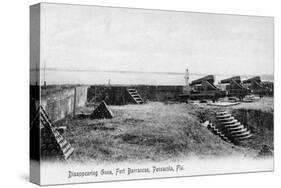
125 78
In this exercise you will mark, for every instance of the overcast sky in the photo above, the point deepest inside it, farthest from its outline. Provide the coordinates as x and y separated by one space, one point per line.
99 38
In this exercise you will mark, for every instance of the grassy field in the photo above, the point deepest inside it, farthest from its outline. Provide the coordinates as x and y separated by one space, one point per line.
152 132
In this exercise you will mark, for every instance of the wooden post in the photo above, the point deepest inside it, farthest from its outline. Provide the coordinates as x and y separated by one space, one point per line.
74 102
95 94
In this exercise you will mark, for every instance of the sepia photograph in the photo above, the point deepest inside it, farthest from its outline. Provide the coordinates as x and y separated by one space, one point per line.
126 93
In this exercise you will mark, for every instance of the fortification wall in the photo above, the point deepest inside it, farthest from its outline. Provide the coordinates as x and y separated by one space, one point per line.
117 95
60 103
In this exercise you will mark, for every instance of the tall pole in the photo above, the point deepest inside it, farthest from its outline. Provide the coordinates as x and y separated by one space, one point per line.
74 103
186 77
45 74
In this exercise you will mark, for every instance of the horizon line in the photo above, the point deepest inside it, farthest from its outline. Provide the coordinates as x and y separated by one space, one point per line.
141 72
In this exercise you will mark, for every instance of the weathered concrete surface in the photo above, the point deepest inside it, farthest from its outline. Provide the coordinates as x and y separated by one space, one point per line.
118 95
60 103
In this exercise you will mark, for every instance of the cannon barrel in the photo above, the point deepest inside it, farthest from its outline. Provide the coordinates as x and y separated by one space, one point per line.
209 78
256 78
235 78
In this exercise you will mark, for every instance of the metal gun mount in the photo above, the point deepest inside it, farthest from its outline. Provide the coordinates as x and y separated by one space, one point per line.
235 87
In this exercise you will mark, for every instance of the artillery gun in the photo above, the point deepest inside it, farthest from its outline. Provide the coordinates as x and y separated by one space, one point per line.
256 86
204 88
235 87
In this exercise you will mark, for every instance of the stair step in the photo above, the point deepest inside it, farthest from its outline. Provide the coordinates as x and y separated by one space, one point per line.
226 119
215 129
238 131
134 94
229 123
223 116
225 138
235 125
235 128
69 152
221 113
242 134
218 132
137 96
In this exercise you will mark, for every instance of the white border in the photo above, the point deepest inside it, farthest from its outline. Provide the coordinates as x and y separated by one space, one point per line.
14 37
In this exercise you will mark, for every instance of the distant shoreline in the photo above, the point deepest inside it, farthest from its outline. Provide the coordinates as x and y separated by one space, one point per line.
142 72
100 77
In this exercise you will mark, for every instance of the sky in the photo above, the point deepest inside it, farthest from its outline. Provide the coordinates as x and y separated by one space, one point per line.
122 39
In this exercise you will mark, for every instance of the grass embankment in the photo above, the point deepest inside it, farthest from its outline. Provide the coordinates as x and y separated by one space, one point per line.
152 131
256 116
261 124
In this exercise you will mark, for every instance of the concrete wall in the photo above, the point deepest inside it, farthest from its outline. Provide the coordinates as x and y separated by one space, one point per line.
117 95
60 103
160 93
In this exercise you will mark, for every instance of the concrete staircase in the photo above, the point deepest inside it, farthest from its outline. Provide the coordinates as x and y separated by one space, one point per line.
135 96
232 128
217 132
53 144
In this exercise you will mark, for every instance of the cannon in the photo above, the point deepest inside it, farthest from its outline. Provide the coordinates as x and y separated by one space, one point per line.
256 86
256 79
204 85
209 78
270 87
228 80
235 87
204 88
